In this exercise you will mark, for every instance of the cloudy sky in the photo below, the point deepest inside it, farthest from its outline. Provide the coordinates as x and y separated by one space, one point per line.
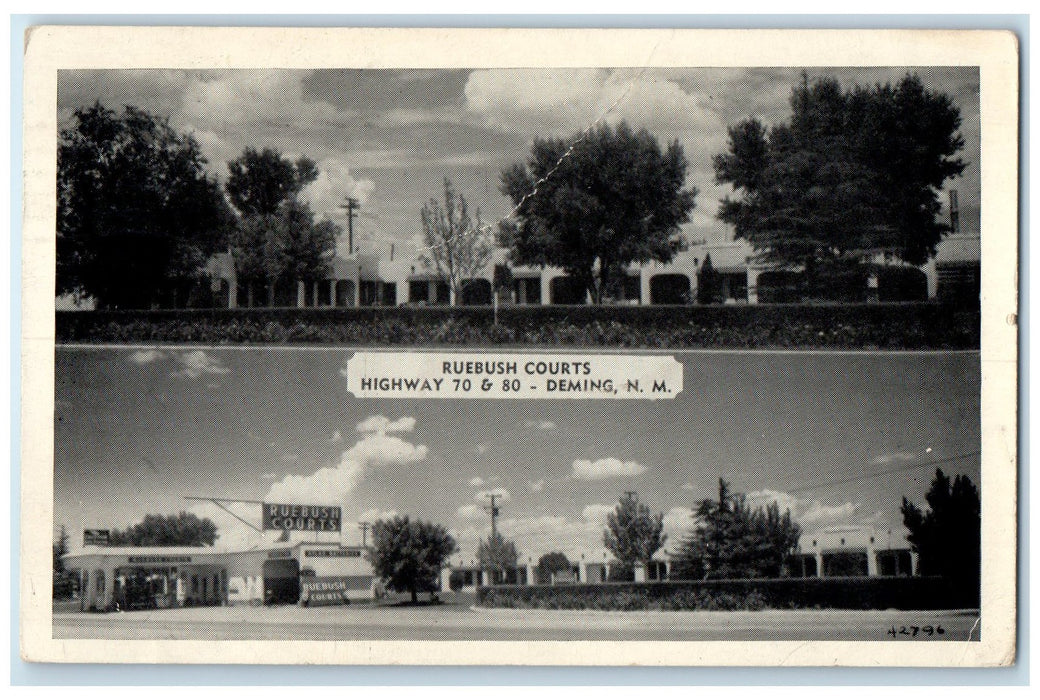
839 439
389 137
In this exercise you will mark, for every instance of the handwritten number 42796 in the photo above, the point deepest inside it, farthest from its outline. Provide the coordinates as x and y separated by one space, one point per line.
915 631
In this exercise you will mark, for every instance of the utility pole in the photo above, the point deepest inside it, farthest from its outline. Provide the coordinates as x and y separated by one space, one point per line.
363 526
350 205
493 510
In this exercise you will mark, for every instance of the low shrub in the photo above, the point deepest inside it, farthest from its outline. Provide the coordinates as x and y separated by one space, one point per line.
850 593
921 325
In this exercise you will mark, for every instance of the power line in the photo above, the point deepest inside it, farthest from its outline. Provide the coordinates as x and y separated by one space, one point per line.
885 472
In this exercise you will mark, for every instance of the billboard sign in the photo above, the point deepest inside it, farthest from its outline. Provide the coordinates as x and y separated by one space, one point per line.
331 590
284 516
95 538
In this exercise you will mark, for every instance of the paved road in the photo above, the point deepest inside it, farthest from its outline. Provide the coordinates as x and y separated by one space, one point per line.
459 622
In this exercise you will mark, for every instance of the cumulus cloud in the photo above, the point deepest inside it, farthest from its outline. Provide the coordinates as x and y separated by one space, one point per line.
335 484
893 457
605 468
336 437
196 363
335 182
476 482
809 513
545 425
471 511
536 486
382 424
144 357
381 449
597 513
373 514
218 99
269 475
818 513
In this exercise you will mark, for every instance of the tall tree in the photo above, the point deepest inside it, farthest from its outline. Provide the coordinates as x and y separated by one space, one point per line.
947 537
409 555
277 240
457 247
732 540
181 530
65 582
709 283
260 182
633 533
497 555
597 202
137 215
853 174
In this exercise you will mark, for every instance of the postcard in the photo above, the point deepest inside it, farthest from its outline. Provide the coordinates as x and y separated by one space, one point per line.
535 347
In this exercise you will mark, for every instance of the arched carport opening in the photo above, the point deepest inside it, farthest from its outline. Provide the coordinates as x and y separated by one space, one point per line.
670 288
476 292
566 290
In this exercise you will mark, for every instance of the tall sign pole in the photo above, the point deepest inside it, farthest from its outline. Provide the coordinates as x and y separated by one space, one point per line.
363 526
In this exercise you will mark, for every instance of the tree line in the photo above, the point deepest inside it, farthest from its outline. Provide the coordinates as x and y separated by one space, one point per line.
138 216
852 175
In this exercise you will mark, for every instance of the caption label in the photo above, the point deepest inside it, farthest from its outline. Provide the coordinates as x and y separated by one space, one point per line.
513 376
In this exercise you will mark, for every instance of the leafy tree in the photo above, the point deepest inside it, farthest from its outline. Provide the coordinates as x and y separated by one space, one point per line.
409 555
633 534
181 530
597 202
732 540
277 240
457 247
709 283
65 582
137 216
552 563
947 537
260 182
854 173
497 555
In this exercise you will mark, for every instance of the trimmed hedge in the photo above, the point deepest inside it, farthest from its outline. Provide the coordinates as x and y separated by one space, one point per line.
852 593
888 326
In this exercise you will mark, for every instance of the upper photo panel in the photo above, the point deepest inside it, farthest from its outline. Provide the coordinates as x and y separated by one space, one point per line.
585 207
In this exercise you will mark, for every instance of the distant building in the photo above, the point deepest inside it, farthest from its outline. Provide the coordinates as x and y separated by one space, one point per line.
368 280
306 573
597 566
853 551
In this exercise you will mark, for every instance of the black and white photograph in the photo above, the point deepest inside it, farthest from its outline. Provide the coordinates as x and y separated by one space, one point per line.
473 350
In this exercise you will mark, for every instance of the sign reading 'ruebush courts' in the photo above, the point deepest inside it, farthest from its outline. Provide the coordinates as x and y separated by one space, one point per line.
282 516
513 376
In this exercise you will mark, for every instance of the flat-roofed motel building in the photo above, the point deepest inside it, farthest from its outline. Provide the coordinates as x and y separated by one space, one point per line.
305 573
